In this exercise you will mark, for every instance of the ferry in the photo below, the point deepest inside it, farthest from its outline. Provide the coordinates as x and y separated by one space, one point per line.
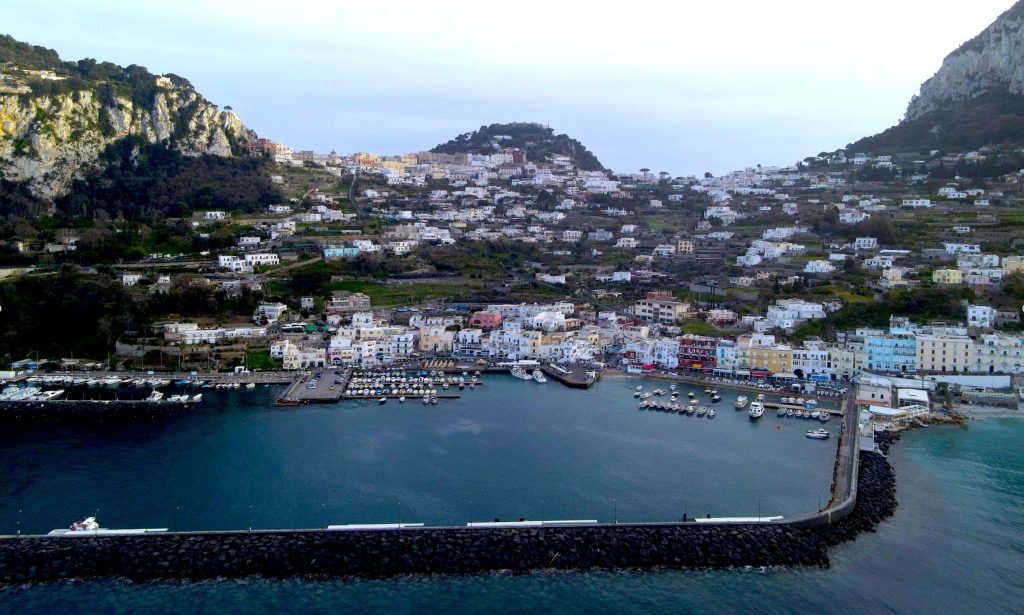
741 402
539 376
91 527
756 410
817 434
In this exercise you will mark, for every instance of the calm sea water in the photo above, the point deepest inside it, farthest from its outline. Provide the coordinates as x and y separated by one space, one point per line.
955 544
507 450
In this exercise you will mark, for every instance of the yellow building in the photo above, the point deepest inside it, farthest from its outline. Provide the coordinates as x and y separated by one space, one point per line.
684 246
1013 263
944 353
948 276
367 159
436 339
394 165
771 357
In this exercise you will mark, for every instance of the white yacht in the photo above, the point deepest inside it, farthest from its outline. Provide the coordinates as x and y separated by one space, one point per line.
817 434
539 376
521 373
756 409
741 402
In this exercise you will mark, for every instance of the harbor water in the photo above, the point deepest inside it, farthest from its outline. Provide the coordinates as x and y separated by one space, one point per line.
508 449
956 542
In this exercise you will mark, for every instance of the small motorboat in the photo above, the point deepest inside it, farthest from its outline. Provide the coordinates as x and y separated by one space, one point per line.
382 400
715 398
741 402
824 417
711 413
702 411
401 399
817 434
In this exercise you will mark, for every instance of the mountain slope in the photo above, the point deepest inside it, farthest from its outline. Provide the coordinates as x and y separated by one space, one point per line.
975 99
991 61
536 140
57 117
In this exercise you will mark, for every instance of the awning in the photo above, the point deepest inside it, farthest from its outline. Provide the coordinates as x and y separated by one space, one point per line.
719 370
820 377
756 373
785 375
742 372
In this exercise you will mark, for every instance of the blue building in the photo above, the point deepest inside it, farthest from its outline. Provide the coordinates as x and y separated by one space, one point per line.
891 352
340 252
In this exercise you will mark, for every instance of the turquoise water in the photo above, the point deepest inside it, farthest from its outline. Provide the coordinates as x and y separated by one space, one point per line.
956 544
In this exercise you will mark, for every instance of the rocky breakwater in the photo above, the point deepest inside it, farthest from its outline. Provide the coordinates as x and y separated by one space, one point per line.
447 550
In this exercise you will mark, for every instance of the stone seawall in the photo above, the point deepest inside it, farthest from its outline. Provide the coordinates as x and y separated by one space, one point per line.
448 550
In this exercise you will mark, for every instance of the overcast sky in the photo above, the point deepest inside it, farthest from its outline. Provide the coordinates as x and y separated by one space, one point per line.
683 87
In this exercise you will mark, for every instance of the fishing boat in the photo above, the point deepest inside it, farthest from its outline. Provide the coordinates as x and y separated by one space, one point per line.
741 402
817 434
824 417
790 413
781 413
756 410
702 411
645 396
539 376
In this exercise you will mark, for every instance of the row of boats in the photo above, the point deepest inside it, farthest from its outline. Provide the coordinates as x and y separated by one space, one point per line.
803 414
31 393
16 393
111 381
688 409
522 374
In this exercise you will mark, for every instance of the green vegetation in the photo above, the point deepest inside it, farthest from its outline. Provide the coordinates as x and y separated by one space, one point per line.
994 118
259 358
538 141
139 177
921 304
699 327
64 314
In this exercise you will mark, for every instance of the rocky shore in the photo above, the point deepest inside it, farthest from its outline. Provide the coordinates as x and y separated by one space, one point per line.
447 550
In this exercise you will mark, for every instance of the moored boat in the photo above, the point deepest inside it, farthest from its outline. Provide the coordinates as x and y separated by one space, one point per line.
741 402
756 410
817 434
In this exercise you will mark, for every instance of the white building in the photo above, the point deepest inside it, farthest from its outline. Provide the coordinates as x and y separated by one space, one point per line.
981 316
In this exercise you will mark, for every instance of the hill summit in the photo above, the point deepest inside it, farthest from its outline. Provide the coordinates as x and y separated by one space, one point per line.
539 142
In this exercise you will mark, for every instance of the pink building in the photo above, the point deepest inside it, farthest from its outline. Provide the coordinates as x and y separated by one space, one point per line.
485 320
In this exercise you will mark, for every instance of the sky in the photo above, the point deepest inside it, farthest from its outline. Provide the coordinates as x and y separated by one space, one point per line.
684 87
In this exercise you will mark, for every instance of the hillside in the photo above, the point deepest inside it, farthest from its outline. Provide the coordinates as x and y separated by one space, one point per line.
58 117
976 98
536 140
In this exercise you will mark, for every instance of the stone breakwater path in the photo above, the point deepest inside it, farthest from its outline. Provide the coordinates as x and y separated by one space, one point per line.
377 554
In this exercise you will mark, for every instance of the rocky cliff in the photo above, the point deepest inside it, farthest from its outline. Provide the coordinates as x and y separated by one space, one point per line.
991 61
57 117
49 140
